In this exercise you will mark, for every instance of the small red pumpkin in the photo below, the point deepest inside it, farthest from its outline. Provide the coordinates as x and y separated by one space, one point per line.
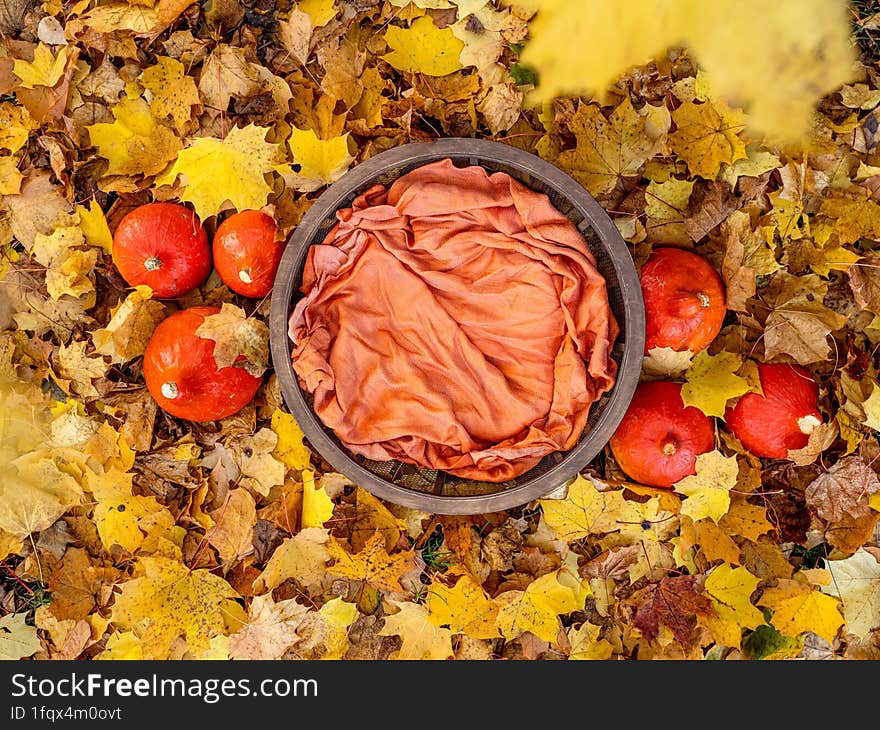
782 419
182 375
246 252
684 300
164 246
659 438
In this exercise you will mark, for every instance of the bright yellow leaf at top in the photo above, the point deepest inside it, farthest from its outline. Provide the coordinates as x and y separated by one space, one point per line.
798 608
320 11
316 162
776 60
136 143
712 381
423 48
217 171
168 600
45 70
708 491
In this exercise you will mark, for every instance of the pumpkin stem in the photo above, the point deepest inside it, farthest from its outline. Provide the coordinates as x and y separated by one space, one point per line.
670 447
807 424
688 304
153 263
245 276
170 389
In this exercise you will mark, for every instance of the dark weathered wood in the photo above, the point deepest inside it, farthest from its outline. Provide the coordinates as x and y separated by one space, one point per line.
489 154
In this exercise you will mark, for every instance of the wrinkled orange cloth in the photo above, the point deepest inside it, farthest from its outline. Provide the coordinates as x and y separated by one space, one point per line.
455 321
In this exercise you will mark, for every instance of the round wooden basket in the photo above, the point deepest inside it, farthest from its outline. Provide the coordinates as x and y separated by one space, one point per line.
437 491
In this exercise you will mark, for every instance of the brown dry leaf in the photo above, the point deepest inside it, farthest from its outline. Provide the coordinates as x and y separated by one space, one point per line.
233 526
674 603
799 324
76 583
864 280
239 340
80 369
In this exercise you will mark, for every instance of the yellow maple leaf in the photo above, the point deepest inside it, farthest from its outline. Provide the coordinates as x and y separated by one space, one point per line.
584 511
34 492
586 644
317 506
119 514
606 150
538 607
779 67
80 368
132 323
798 608
94 226
640 521
372 565
173 92
16 125
301 557
711 381
167 600
17 639
668 200
135 143
745 519
237 336
290 448
730 589
46 69
423 48
708 491
465 608
320 11
707 136
10 177
241 160
854 216
856 582
316 162
422 640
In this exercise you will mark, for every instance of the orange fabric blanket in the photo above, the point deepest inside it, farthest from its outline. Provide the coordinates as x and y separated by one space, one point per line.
455 321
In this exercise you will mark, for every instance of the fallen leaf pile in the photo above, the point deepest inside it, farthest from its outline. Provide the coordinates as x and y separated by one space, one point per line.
126 533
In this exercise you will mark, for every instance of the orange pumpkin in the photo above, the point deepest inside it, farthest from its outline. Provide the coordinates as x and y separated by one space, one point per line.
246 253
659 438
684 300
182 375
164 246
782 419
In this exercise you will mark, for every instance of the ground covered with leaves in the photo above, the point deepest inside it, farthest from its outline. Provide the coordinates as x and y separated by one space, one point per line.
127 533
